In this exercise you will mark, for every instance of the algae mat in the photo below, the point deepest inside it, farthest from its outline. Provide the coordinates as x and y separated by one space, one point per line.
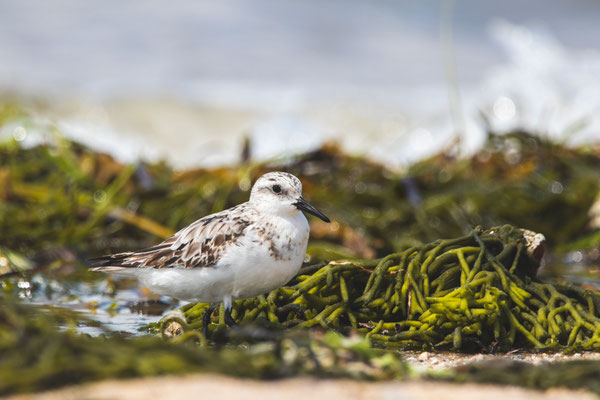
476 292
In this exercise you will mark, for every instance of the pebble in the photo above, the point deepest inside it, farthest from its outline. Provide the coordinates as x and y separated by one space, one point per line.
446 360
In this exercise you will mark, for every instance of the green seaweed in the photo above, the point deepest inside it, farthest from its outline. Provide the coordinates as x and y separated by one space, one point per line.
473 292
36 355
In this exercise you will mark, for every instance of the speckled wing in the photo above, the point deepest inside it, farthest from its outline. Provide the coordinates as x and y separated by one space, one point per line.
198 245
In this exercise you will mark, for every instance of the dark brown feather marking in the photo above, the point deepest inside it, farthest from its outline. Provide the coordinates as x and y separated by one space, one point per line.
199 245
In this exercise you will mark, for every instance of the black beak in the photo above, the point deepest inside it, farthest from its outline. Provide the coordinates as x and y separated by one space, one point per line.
303 205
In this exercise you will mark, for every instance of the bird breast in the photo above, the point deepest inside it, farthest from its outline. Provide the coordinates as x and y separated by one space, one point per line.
273 253
285 238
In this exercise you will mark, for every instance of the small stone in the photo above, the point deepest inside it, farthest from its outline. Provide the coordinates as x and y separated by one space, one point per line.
423 356
173 329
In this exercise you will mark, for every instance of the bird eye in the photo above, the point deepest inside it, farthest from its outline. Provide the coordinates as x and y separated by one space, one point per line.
277 188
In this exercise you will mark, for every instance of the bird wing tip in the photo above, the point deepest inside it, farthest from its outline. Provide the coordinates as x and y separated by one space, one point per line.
107 268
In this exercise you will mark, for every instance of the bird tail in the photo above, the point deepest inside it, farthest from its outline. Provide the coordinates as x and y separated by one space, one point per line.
110 263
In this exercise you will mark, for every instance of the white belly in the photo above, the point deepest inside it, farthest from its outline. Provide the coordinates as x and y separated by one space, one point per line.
250 268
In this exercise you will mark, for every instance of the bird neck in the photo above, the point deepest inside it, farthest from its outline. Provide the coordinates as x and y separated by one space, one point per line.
276 210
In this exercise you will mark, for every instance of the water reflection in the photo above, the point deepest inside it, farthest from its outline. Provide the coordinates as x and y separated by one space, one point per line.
103 305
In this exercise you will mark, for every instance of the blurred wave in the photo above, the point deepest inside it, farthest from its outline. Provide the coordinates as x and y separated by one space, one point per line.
188 81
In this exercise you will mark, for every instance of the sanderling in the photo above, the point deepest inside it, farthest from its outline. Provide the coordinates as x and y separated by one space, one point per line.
241 252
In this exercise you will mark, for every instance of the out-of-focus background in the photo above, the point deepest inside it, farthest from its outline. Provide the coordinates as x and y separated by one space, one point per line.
122 122
186 81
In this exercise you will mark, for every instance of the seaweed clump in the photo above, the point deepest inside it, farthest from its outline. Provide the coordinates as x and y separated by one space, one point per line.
36 355
474 292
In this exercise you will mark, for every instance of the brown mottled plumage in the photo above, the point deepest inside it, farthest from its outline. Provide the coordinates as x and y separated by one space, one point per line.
198 245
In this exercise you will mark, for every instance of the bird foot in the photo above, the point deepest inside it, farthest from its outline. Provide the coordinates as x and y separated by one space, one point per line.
207 317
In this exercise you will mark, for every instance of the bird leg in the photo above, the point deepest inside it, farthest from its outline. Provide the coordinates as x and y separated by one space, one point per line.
228 318
206 317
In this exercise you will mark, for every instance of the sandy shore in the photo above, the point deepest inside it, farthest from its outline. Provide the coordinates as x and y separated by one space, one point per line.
228 388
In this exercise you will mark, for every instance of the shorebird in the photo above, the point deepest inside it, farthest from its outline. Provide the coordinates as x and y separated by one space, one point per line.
241 252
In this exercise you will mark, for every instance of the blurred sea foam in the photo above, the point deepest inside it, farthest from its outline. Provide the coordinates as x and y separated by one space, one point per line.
187 81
